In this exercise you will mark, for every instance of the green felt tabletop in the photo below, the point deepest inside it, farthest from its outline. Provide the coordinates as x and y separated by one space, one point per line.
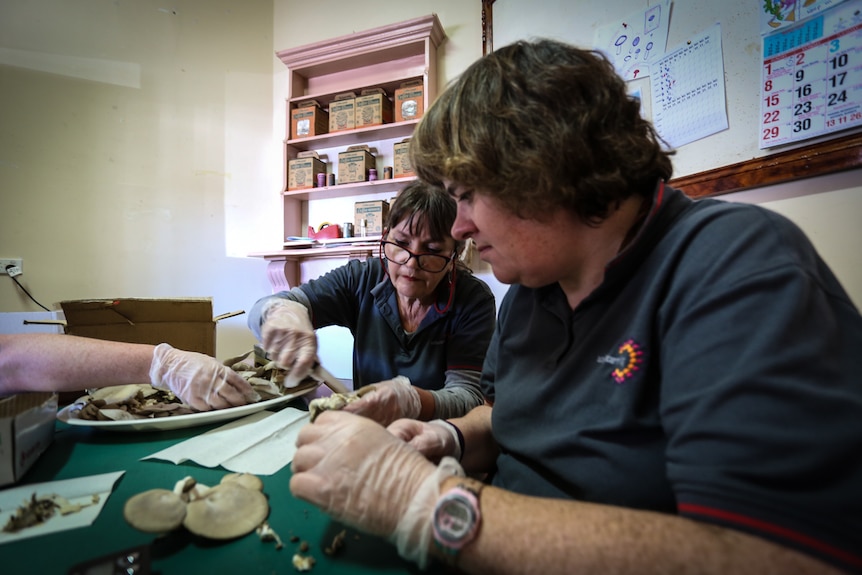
79 451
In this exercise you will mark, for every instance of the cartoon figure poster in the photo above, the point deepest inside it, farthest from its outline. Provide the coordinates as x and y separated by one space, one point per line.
778 14
635 42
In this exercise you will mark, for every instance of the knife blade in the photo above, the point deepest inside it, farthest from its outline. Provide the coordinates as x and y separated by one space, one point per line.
329 380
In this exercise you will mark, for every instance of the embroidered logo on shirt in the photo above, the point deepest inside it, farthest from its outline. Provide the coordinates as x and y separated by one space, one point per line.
626 360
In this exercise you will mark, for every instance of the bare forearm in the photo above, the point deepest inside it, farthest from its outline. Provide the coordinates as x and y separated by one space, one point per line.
480 448
53 362
522 534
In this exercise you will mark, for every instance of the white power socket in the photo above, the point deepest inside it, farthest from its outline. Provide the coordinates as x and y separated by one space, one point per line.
16 271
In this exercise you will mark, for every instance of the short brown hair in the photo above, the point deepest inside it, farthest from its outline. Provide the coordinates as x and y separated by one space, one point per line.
541 125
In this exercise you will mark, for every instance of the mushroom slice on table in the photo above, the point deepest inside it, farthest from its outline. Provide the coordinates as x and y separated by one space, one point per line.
227 510
155 511
247 480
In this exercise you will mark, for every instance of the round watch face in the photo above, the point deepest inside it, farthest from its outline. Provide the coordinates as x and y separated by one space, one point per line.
455 519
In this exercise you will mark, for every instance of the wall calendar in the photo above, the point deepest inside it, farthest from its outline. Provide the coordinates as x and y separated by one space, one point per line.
812 77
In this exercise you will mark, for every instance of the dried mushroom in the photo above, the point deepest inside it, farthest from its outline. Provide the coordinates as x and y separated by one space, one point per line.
335 401
38 510
155 511
121 402
225 511
267 533
247 480
228 510
303 562
33 512
337 543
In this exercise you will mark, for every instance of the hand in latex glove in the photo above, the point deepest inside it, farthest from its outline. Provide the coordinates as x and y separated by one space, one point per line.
289 338
365 477
386 401
199 380
434 439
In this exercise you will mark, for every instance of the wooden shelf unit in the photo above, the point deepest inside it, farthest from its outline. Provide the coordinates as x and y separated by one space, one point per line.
383 57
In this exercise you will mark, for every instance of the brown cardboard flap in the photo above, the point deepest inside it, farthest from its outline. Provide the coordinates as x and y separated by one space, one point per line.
132 311
228 314
184 323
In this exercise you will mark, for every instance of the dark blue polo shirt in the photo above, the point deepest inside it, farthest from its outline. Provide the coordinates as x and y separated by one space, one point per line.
716 373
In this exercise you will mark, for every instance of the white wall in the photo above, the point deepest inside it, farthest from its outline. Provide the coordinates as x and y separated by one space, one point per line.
135 148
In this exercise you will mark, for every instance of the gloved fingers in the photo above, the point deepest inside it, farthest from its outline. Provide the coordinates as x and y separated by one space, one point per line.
325 424
295 352
405 429
307 458
230 395
381 406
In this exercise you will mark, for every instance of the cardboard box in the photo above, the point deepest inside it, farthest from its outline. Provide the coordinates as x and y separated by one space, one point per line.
374 214
402 167
342 112
184 323
308 119
373 108
302 171
353 164
26 430
409 101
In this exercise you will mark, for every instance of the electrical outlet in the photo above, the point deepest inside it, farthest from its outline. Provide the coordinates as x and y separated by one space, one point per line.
17 262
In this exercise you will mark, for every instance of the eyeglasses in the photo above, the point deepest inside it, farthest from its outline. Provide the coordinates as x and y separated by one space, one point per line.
429 262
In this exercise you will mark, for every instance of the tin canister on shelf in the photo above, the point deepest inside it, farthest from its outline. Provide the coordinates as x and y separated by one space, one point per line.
387 173
372 174
321 180
332 179
347 229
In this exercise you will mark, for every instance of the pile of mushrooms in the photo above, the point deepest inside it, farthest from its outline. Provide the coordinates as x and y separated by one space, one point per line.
335 401
133 401
234 507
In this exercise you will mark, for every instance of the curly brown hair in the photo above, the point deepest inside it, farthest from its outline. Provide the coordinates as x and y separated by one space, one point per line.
541 125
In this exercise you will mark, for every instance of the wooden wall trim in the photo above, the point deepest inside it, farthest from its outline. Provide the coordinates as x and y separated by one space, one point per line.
827 157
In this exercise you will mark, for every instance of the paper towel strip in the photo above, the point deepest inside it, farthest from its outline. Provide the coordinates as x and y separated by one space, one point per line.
260 443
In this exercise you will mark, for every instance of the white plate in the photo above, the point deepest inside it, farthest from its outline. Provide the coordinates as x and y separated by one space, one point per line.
181 421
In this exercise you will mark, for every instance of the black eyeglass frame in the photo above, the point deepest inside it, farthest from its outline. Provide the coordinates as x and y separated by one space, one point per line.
448 259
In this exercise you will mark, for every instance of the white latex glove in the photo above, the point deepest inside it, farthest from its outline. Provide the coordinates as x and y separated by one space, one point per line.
288 337
198 379
386 401
363 476
434 439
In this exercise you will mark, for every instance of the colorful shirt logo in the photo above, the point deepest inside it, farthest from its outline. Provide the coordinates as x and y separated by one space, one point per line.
626 360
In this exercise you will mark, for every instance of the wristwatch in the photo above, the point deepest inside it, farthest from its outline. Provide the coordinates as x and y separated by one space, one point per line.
456 520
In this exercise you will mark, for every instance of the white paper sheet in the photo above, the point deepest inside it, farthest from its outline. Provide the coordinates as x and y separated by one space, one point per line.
261 443
635 42
687 85
80 490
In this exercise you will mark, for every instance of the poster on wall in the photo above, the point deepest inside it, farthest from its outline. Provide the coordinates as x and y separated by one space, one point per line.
779 14
635 42
687 86
811 82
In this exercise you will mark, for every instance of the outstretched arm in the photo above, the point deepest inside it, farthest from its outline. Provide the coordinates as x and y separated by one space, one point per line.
54 362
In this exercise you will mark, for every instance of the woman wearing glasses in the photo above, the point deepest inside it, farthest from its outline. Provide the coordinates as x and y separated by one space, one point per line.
421 321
